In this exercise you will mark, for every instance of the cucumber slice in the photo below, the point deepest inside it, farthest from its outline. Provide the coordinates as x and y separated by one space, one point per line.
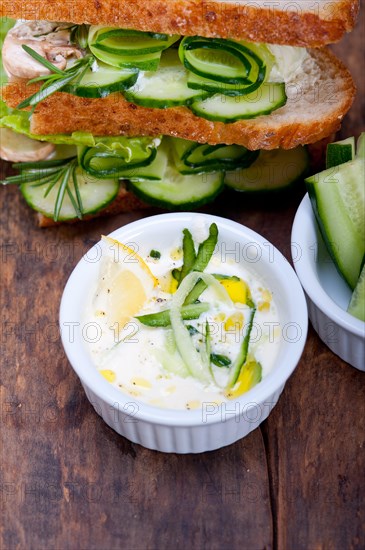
128 42
153 171
167 87
196 82
102 162
274 170
103 81
128 48
197 158
235 64
340 152
178 192
357 302
223 108
95 195
360 146
147 62
338 199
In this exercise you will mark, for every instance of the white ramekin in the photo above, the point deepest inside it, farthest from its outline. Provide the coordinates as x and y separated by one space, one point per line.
214 426
327 293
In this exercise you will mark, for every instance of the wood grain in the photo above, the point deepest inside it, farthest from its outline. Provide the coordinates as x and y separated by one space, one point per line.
69 482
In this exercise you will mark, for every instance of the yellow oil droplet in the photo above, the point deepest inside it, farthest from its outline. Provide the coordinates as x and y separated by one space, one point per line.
266 295
263 306
234 322
99 313
193 404
169 390
109 375
220 317
168 284
141 382
176 254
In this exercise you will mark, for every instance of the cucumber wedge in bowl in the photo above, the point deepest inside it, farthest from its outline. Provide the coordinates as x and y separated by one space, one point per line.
338 200
340 152
357 302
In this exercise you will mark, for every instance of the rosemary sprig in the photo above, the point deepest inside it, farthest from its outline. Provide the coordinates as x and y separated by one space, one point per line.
51 173
55 81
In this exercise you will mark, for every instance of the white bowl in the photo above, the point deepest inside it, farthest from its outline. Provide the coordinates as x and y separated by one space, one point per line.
213 426
327 293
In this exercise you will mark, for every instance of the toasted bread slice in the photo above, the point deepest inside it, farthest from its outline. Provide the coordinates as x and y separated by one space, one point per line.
302 23
318 98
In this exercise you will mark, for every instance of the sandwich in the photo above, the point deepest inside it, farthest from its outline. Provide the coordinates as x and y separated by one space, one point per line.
114 106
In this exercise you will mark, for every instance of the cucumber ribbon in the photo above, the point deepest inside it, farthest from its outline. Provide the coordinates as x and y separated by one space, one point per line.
195 158
223 66
128 48
197 363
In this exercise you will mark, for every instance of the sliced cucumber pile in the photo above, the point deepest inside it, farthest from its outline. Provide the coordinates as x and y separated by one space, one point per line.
168 172
338 199
274 170
217 79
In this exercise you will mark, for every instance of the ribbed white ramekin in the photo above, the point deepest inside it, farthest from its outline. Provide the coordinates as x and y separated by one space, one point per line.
327 293
213 426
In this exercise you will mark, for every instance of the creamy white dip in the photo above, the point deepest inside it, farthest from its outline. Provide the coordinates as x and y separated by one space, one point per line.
143 361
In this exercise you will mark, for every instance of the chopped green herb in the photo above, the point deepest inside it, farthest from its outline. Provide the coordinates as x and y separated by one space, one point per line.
192 330
52 172
55 81
155 254
220 360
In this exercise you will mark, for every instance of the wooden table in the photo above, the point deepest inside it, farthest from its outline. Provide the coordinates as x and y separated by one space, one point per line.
69 482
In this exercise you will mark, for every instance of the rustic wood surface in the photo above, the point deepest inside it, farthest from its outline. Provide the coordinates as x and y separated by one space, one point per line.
67 481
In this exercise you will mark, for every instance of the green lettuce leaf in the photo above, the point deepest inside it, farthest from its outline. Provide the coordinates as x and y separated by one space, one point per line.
131 148
19 121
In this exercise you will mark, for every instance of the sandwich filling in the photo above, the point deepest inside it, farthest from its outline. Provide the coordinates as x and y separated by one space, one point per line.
84 173
217 79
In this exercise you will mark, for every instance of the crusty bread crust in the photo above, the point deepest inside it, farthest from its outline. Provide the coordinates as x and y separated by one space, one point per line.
125 201
298 23
318 99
